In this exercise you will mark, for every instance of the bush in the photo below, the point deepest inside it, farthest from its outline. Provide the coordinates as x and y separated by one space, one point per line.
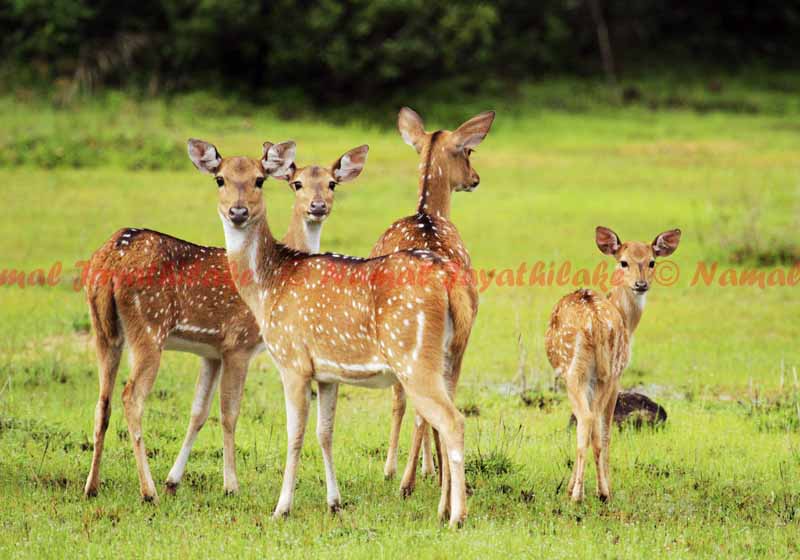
333 51
77 149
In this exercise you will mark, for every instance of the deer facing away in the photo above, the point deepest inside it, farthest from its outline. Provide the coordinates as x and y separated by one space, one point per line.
206 317
444 168
588 343
365 332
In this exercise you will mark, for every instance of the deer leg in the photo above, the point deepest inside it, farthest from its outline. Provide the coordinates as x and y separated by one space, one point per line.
438 445
598 433
432 401
608 414
445 496
201 406
108 357
145 360
326 413
410 474
583 414
457 353
398 411
420 440
428 467
234 375
297 393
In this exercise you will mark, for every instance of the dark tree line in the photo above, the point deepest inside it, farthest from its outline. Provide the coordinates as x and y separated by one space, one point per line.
326 50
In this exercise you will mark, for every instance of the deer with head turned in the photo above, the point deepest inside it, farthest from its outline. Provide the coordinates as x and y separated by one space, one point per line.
588 343
444 168
371 329
201 313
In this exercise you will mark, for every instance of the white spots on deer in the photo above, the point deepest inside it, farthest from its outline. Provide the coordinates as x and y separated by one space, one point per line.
196 329
574 355
420 335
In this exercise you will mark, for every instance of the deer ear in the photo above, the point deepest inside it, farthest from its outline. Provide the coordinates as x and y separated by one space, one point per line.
666 243
411 128
472 132
286 176
349 166
607 241
204 156
277 160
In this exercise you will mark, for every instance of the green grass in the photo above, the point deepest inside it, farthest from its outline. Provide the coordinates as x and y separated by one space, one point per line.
720 479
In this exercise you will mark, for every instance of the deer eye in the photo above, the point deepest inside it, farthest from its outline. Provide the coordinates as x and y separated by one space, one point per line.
220 181
623 264
652 264
469 151
332 185
297 185
259 182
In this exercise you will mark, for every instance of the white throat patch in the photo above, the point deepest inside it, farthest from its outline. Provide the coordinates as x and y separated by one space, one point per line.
235 238
313 233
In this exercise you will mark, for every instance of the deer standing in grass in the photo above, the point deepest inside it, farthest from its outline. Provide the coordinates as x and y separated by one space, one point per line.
337 319
202 314
589 341
445 167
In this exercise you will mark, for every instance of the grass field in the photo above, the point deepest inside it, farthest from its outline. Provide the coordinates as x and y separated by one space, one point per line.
721 478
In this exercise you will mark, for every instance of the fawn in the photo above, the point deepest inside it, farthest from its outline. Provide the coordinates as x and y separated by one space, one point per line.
588 343
199 312
445 167
338 319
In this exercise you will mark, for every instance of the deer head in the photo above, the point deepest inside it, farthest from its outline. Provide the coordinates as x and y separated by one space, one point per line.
239 179
314 185
447 152
636 261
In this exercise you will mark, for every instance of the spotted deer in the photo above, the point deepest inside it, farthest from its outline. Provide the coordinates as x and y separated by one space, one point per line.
338 319
588 343
445 168
188 303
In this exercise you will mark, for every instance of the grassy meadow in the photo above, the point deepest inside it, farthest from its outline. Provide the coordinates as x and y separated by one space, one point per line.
722 477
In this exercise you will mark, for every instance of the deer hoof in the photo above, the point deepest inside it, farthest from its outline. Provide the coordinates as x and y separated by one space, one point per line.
150 498
457 522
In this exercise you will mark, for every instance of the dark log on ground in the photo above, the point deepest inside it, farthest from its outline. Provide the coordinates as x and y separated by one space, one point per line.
635 410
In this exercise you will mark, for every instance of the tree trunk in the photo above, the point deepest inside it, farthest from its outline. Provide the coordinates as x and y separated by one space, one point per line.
603 41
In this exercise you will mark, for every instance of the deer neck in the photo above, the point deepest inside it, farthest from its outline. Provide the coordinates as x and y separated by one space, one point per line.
253 257
629 304
434 182
302 234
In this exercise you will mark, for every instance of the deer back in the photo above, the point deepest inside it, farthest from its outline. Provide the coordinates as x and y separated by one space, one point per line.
163 286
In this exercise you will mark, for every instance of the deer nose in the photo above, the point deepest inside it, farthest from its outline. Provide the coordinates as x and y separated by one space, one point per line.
238 214
318 208
640 286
